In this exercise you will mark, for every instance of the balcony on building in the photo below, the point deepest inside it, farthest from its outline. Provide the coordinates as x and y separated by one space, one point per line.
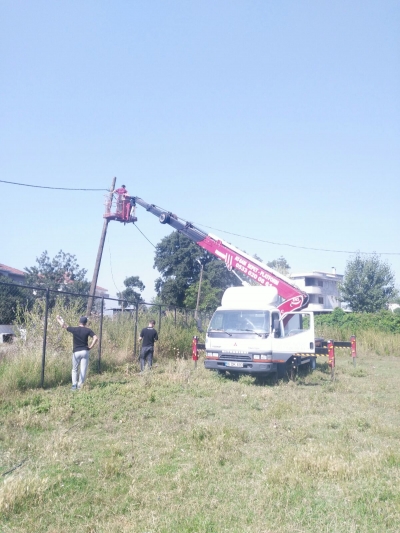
322 288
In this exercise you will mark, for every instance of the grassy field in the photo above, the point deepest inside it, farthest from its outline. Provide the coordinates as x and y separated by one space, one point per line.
180 450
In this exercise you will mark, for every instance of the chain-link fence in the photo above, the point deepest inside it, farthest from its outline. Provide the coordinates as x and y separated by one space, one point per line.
29 330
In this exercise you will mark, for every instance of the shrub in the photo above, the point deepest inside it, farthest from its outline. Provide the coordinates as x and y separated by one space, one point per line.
384 321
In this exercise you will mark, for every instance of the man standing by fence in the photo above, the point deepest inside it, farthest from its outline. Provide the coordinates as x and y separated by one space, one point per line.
148 336
81 348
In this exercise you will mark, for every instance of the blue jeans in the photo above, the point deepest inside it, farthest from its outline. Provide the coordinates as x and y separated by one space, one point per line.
146 355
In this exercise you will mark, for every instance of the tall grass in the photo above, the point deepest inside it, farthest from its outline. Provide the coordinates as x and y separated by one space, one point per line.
21 363
369 341
182 451
185 451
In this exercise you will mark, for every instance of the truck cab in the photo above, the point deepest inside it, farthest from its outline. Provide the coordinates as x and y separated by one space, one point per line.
247 333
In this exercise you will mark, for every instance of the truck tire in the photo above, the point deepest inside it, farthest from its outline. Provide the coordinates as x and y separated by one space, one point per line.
284 370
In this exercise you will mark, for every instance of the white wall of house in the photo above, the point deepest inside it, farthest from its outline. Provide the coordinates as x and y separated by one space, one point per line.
322 288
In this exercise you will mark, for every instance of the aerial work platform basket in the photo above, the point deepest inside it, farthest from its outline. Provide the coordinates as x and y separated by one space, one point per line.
121 208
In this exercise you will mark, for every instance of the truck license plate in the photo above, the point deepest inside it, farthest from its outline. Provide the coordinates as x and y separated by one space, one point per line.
233 363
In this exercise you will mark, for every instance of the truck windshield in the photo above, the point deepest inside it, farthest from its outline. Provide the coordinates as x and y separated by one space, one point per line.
240 321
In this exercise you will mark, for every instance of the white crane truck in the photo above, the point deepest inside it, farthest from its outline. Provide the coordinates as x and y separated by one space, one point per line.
257 330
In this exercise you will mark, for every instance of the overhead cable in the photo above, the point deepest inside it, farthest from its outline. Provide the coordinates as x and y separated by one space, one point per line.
287 244
302 247
55 188
210 227
112 275
144 235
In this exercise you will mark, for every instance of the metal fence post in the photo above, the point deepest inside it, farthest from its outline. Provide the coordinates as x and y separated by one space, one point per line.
100 334
159 318
135 334
46 314
175 316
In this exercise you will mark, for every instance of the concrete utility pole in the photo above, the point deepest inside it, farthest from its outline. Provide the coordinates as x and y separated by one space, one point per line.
99 255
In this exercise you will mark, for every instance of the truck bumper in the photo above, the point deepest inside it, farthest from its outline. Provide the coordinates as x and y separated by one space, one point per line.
247 368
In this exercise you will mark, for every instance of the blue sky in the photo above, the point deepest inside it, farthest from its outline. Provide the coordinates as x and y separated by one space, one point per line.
279 121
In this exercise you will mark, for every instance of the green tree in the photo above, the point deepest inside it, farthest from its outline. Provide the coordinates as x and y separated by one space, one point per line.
210 297
130 294
12 298
62 273
280 265
179 260
368 284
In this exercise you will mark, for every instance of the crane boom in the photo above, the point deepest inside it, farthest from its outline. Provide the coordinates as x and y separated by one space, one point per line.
293 298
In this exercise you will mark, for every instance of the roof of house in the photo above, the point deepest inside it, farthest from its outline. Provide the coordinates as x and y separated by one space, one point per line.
11 270
16 272
316 274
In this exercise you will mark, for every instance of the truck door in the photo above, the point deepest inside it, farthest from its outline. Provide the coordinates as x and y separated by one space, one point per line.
296 335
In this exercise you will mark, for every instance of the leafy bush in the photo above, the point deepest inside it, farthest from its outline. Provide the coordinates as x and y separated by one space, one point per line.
384 321
376 332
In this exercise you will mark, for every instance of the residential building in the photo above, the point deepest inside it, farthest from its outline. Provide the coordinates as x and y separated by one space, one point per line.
18 276
322 288
100 291
14 275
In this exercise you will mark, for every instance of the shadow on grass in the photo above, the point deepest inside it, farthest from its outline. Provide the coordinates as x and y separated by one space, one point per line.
109 383
271 380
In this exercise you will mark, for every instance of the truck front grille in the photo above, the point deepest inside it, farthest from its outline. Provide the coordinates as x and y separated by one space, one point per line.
235 357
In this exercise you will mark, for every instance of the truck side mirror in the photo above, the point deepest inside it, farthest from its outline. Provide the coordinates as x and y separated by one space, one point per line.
277 328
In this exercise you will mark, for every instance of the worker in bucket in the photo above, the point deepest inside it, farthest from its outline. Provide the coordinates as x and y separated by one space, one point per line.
80 350
122 192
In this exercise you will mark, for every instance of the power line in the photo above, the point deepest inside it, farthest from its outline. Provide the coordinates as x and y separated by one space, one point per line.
54 188
286 244
297 246
112 275
210 227
144 235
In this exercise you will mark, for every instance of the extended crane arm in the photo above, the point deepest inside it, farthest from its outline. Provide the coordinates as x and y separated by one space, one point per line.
293 298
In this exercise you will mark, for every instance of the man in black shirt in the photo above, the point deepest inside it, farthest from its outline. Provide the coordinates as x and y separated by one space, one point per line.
80 350
148 336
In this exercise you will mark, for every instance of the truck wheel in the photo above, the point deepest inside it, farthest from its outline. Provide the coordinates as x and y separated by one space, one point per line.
283 370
